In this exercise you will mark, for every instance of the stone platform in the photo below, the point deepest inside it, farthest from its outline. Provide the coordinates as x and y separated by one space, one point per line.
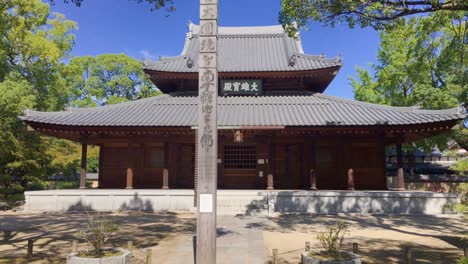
231 202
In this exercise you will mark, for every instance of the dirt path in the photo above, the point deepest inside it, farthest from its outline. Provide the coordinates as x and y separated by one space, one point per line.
53 233
382 239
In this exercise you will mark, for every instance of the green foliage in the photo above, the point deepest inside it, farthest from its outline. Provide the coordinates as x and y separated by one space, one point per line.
66 157
32 47
106 79
421 62
63 185
461 167
463 260
96 231
332 239
462 189
377 14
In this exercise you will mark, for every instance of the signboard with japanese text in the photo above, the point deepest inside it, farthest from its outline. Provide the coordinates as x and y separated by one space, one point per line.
241 87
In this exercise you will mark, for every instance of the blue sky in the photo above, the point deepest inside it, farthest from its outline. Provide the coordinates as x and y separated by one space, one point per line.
122 26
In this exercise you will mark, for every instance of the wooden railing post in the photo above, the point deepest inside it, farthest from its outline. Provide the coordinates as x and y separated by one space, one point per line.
130 246
165 179
270 182
351 180
313 180
74 246
307 246
30 248
355 248
275 256
149 256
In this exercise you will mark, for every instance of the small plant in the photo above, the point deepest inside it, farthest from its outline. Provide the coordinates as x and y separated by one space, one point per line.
96 231
332 239
462 260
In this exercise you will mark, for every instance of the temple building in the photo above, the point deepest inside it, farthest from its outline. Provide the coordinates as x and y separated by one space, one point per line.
277 129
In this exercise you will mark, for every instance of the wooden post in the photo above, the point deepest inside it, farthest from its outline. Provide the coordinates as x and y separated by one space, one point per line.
270 182
351 180
130 165
84 158
74 246
408 255
149 256
207 132
30 248
130 246
400 172
275 256
307 246
313 180
355 248
465 252
165 179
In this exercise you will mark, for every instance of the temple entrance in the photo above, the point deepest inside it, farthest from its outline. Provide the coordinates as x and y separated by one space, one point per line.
239 167
288 166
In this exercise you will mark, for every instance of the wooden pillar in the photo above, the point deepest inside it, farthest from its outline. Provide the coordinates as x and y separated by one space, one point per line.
129 166
207 132
400 172
84 159
165 184
313 180
350 179
270 182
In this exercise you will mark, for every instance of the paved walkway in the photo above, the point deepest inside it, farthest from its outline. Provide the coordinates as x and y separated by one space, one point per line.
240 240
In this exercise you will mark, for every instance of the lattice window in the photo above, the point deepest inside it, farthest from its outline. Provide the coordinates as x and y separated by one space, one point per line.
240 157
155 157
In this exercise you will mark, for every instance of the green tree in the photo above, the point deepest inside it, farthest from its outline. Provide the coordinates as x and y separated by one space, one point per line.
106 79
422 62
32 47
376 13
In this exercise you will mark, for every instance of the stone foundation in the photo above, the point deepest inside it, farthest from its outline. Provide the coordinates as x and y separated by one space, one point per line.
244 201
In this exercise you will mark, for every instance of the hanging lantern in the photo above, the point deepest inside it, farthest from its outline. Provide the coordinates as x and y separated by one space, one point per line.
238 137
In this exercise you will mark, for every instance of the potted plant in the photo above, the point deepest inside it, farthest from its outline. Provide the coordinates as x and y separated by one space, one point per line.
331 241
96 231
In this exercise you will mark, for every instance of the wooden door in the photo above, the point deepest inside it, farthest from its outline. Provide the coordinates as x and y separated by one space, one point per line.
288 166
185 167
327 168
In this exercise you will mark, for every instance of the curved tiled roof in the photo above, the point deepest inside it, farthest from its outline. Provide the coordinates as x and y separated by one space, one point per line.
280 109
247 49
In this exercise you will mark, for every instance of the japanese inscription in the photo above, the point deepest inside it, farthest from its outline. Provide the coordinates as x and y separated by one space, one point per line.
241 87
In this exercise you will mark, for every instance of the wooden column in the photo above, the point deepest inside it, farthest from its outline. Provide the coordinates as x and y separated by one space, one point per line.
270 182
165 181
207 132
130 165
313 180
400 172
350 179
84 159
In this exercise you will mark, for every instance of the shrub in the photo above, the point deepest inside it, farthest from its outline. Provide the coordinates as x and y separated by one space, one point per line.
463 260
96 231
461 167
332 239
